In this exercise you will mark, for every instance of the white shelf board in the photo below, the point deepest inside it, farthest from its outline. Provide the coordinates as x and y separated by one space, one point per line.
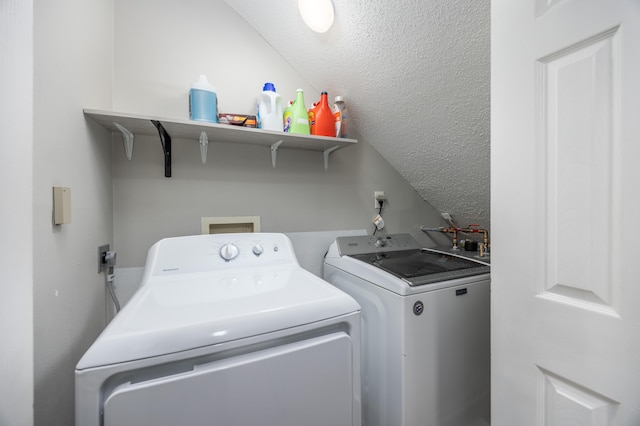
187 129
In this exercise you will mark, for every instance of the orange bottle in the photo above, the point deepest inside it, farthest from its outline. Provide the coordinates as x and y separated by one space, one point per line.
312 118
325 123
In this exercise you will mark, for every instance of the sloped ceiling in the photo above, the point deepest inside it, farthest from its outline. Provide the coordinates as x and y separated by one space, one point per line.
415 75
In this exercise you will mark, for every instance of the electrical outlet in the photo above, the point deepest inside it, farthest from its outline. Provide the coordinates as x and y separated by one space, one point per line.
377 197
102 251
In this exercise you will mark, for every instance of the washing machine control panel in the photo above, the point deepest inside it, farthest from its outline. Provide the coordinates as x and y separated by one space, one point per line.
349 246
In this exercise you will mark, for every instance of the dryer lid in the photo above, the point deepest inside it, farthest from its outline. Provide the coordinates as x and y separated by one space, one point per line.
180 312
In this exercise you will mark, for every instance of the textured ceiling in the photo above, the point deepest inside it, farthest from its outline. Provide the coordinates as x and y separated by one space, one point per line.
415 75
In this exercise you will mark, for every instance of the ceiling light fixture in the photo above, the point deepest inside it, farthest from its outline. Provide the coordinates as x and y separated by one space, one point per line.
317 14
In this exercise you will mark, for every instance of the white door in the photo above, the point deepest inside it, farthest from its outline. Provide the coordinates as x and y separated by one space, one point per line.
565 184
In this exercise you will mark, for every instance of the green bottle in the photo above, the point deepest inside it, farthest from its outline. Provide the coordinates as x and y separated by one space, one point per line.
299 115
287 117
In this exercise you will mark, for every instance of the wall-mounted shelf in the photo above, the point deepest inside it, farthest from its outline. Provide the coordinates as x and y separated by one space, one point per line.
130 125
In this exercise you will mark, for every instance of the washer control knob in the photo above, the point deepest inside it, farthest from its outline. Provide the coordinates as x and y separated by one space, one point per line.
228 251
258 249
381 242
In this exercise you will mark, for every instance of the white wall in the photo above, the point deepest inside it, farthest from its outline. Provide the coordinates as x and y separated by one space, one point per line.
160 48
73 42
16 213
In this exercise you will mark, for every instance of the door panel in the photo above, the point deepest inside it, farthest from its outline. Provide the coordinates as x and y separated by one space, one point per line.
567 403
579 140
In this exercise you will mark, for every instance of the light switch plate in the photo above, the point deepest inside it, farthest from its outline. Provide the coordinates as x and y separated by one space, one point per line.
61 205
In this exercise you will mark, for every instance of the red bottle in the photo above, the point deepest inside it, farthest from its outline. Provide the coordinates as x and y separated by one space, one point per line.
324 118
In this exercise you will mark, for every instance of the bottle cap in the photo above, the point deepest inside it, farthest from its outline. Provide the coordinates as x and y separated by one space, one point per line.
269 87
338 99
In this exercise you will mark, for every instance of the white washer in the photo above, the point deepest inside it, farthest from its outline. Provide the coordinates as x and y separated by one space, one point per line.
225 330
425 330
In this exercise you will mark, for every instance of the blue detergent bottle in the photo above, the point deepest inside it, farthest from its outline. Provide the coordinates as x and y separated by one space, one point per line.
203 101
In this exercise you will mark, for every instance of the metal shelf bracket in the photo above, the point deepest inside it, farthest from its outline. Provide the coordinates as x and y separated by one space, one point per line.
326 153
204 144
274 153
127 139
165 140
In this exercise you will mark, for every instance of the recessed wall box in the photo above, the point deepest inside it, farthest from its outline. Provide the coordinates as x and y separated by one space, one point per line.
61 205
225 225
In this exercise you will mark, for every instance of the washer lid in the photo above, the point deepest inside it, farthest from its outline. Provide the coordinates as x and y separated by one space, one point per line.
426 266
181 312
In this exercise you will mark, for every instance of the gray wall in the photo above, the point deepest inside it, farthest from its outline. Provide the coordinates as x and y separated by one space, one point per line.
73 42
16 244
152 74
141 57
239 181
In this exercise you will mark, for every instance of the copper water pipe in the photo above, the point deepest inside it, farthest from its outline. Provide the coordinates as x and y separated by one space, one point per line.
485 234
454 230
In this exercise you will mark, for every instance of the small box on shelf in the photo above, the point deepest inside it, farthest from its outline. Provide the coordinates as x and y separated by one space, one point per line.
237 119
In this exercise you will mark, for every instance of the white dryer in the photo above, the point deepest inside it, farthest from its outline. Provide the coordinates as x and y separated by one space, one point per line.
225 330
425 329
